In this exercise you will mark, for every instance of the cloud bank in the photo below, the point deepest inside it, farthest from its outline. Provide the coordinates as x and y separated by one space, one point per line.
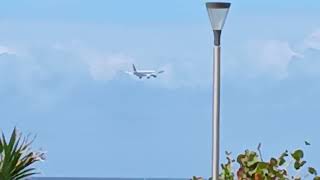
69 61
274 59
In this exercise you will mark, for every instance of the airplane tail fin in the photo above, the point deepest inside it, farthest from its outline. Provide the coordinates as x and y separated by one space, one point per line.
134 68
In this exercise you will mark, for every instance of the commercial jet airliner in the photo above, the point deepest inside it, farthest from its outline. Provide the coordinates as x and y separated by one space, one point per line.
144 73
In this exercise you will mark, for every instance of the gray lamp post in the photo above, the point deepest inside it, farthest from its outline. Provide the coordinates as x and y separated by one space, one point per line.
218 12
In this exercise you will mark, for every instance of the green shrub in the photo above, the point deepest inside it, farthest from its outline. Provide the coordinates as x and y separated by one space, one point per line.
253 167
17 158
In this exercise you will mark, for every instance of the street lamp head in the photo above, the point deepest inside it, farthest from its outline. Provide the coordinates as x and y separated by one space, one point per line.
218 12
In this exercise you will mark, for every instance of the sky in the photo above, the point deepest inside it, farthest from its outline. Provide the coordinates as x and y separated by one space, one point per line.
61 78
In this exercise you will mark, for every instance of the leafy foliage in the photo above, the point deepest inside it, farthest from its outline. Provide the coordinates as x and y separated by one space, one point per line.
227 171
16 157
253 167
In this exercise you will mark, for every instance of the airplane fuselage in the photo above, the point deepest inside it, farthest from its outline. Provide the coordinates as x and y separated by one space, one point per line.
141 74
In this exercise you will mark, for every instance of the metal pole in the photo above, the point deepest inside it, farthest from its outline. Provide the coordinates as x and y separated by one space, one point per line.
216 114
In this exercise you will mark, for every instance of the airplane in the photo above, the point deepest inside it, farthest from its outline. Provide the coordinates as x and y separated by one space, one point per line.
144 73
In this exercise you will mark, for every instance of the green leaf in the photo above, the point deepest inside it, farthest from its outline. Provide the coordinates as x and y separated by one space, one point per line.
316 178
312 170
262 165
241 158
307 143
298 165
281 161
273 162
297 155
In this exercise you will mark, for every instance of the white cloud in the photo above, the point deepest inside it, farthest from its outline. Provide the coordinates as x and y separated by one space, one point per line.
6 50
313 40
22 76
271 58
106 67
105 57
100 65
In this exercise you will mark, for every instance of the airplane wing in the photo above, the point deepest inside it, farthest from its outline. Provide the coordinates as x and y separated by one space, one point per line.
151 75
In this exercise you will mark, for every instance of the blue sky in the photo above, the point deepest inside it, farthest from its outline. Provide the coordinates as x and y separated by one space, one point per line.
61 77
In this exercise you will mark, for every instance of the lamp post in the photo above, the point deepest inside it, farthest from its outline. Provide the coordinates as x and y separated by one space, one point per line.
218 12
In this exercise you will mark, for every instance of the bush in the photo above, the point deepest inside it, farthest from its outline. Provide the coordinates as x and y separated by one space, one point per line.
16 157
253 167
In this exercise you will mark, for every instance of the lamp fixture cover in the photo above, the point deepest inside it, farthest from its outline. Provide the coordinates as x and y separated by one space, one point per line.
217 12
